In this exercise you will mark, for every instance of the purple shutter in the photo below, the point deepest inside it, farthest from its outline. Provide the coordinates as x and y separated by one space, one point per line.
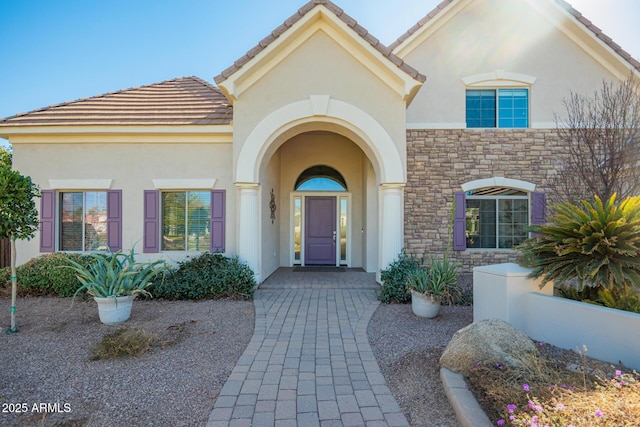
538 208
114 220
218 199
151 238
48 221
460 222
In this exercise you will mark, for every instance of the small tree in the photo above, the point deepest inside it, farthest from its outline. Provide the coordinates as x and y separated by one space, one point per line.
601 134
5 156
18 219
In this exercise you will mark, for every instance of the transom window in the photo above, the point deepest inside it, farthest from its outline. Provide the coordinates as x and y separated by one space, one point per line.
502 108
321 178
186 220
496 218
83 221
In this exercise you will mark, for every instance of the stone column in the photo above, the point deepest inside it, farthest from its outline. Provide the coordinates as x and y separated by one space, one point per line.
392 224
248 228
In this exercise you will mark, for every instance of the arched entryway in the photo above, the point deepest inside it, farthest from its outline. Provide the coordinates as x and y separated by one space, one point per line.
299 136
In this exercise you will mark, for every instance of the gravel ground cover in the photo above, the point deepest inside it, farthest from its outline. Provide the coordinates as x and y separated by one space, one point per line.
408 349
176 384
49 361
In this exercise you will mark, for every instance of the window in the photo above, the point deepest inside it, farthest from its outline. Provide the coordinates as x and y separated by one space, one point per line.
503 108
186 220
83 221
496 218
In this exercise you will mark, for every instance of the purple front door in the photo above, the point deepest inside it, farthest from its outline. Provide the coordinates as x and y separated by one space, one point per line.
320 230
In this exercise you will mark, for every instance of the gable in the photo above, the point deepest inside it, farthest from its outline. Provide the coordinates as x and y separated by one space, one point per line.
320 16
560 14
504 43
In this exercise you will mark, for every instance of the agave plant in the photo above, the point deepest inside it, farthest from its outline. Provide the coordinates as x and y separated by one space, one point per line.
596 244
439 278
116 274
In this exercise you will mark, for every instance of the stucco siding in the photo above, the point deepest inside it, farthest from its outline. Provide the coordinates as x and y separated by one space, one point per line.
131 167
492 35
320 66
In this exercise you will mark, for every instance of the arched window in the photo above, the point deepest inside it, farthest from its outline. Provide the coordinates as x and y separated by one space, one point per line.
320 178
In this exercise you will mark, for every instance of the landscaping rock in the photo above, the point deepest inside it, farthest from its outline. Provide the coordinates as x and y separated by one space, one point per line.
490 340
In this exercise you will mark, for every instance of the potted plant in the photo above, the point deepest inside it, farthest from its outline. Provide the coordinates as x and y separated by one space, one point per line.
433 285
115 280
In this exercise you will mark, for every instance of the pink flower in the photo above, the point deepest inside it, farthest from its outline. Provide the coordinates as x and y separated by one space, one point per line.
599 413
525 387
618 373
500 422
511 407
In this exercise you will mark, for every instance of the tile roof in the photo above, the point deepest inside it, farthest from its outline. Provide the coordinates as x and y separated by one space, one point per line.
562 3
599 34
352 23
181 101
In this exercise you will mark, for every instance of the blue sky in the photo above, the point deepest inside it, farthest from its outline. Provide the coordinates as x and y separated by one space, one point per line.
56 51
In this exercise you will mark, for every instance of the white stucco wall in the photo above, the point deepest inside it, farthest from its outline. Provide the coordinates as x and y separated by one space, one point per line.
132 166
320 67
508 35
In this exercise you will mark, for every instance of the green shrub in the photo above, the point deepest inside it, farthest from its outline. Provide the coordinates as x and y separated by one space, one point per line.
44 275
394 279
210 275
621 298
597 245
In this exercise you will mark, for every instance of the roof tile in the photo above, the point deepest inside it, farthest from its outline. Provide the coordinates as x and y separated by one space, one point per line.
181 101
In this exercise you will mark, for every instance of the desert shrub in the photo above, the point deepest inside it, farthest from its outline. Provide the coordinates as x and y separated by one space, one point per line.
124 341
596 245
621 298
210 275
45 275
394 279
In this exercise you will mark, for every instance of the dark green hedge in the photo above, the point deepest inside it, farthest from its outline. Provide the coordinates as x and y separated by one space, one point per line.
45 275
207 276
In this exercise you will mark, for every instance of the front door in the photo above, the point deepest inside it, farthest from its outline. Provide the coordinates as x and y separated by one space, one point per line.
320 230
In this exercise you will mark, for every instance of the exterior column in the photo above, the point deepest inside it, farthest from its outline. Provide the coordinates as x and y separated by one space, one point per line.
392 224
248 228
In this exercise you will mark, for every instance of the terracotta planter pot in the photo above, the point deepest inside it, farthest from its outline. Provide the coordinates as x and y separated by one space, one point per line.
114 310
424 305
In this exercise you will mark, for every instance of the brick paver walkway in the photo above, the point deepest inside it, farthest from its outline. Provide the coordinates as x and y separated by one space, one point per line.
309 362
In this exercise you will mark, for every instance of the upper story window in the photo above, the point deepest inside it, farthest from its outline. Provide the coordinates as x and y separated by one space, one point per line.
83 221
498 99
502 108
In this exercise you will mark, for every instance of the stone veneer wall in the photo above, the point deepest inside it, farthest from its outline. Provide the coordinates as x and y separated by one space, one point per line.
439 161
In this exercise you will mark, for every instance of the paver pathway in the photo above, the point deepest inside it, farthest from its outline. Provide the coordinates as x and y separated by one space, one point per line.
309 363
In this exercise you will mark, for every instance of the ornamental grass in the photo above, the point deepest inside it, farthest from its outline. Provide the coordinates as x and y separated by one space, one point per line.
544 394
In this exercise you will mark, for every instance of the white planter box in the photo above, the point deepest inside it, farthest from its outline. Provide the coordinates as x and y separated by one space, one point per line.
504 291
499 291
610 335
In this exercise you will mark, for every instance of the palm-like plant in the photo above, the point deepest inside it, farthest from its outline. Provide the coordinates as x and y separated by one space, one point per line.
596 244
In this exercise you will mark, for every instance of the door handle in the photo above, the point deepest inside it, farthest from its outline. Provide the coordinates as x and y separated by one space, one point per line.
334 236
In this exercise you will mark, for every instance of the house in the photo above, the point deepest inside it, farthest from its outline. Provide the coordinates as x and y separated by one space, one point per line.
322 146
